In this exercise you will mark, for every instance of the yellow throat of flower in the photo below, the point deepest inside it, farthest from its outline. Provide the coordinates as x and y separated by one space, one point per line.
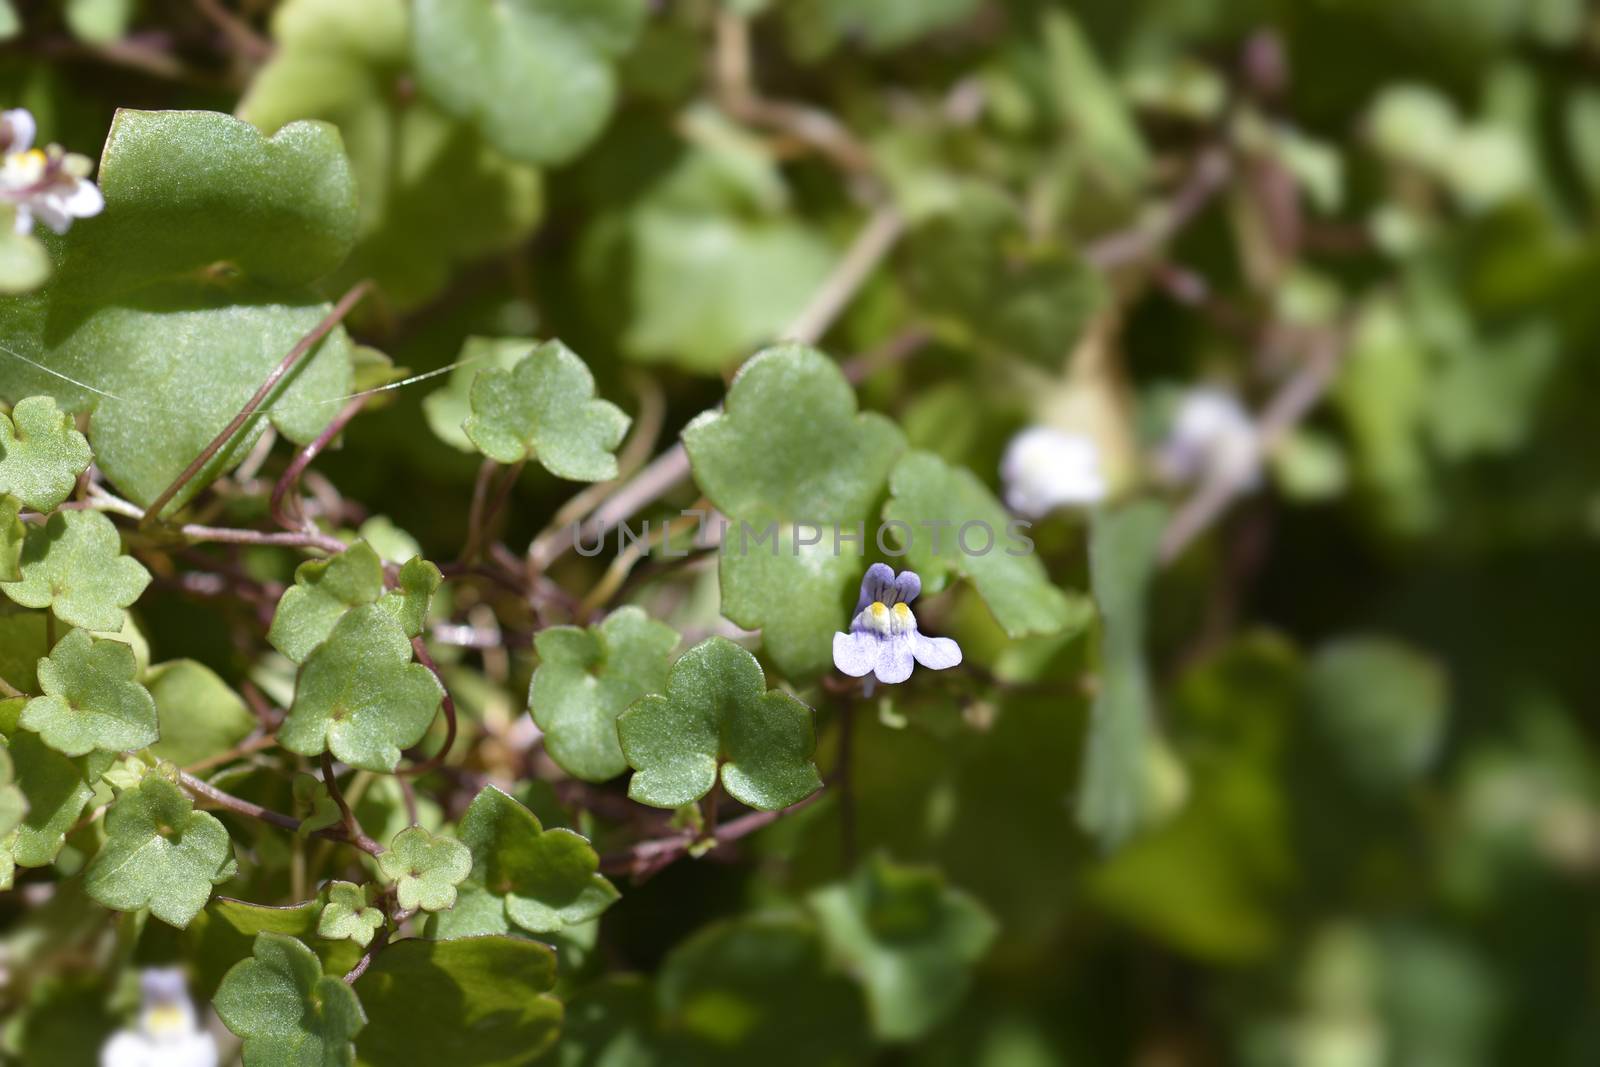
881 618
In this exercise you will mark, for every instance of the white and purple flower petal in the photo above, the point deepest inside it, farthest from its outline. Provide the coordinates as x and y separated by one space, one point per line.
884 640
16 130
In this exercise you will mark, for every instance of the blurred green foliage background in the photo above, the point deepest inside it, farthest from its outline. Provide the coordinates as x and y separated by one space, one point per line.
1366 827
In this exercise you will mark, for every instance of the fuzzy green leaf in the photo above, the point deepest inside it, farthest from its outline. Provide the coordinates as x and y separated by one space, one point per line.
711 284
13 534
587 677
91 700
323 591
544 409
717 709
487 998
340 60
197 276
287 1011
186 190
447 409
160 853
41 453
73 565
911 939
199 714
13 803
225 931
985 285
1114 796
24 262
952 518
791 448
522 874
418 581
348 915
535 76
425 869
770 974
54 788
359 695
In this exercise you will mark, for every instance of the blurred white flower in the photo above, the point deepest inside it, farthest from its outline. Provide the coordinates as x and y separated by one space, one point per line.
1044 469
1212 439
49 184
168 1034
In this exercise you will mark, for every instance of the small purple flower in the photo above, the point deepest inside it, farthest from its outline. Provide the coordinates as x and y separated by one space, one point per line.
883 640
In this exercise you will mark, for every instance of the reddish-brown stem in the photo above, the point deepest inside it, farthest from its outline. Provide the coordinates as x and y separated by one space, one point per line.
648 857
485 506
449 706
352 826
290 481
239 751
480 500
240 806
232 536
379 940
301 347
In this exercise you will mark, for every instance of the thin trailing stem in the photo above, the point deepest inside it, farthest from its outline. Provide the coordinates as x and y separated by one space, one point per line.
301 347
449 706
238 805
239 751
289 482
352 826
648 857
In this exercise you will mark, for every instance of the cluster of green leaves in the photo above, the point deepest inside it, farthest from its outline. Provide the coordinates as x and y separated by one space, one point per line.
385 811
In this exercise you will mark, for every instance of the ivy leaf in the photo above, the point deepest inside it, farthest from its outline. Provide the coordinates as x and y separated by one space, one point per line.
54 788
41 453
160 853
717 708
341 60
911 939
425 869
541 880
287 1011
91 700
199 714
348 915
225 932
198 276
1115 799
953 525
488 62
74 566
359 695
314 806
1379 708
713 275
791 448
13 803
409 604
544 409
188 189
323 591
488 1002
24 263
447 409
587 677
973 271
13 534
770 973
